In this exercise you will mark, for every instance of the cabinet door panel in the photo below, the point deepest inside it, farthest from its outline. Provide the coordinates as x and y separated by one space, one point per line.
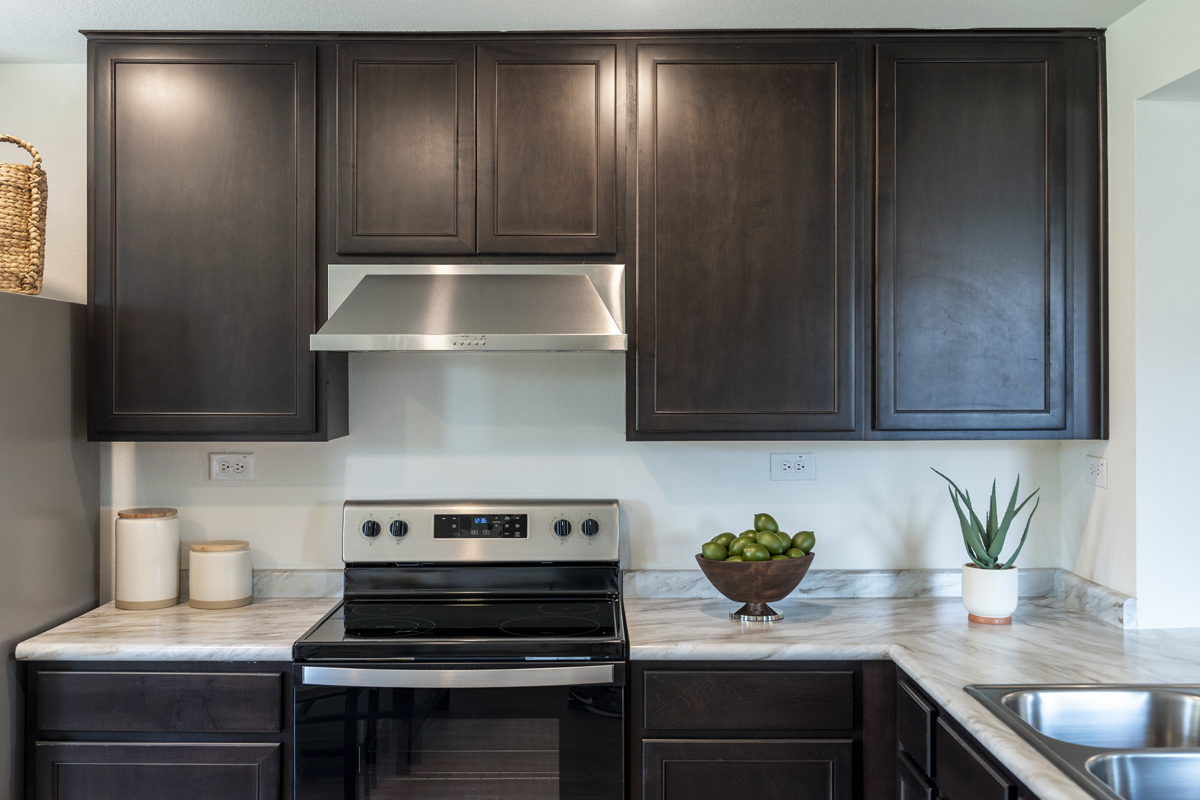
406 149
971 237
745 257
547 149
737 769
121 771
966 774
204 266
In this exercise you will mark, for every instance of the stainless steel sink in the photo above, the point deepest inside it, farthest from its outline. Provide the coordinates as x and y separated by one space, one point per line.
1111 718
1118 742
1149 776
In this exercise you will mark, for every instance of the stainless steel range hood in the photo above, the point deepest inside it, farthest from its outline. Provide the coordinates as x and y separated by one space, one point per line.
474 307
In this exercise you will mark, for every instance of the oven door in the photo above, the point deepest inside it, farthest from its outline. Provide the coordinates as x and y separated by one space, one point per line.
453 731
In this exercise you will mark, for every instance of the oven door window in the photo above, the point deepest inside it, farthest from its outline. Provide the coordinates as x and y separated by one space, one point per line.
532 743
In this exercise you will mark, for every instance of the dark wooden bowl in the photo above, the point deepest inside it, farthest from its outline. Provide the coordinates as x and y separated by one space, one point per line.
755 583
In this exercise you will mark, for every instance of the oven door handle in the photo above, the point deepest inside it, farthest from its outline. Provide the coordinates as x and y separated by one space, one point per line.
458 678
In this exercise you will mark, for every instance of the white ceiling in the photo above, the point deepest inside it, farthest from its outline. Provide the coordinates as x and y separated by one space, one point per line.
46 30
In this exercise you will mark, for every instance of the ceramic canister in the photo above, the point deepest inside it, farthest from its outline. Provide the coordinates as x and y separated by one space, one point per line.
220 574
147 558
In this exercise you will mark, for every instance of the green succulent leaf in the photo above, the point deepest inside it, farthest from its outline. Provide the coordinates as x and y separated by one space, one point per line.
1013 509
1026 533
971 529
992 519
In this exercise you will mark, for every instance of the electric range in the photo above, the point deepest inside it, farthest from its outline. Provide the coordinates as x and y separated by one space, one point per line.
479 651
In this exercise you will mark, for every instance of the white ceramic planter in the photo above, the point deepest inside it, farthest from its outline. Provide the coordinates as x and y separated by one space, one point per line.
990 595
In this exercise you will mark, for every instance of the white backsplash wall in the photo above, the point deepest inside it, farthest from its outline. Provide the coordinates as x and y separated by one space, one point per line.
481 425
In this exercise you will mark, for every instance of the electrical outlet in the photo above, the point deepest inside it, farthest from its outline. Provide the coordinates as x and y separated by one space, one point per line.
1097 471
793 466
231 466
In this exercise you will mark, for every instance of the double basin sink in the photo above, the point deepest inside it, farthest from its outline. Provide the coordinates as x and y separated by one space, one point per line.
1119 742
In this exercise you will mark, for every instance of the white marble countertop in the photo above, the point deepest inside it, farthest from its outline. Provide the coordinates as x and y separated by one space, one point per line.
261 631
931 640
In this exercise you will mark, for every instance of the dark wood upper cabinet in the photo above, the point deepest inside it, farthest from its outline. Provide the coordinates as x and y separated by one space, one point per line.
746 267
203 267
406 148
547 148
987 195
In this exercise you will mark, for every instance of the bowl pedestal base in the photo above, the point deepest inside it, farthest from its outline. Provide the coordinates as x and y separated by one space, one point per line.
756 612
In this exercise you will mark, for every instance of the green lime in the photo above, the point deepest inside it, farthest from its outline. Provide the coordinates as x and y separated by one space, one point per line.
714 552
779 558
756 552
765 522
794 552
734 558
751 533
723 539
772 542
805 540
739 544
787 540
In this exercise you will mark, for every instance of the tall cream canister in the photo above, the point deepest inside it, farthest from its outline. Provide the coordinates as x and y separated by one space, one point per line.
220 574
147 558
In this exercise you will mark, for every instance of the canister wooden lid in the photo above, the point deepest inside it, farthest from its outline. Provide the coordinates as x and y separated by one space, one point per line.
219 546
147 513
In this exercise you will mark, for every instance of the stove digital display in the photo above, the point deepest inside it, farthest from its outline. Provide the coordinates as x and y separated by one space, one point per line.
489 526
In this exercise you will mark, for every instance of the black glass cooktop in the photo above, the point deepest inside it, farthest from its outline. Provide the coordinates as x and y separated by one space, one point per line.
492 619
530 629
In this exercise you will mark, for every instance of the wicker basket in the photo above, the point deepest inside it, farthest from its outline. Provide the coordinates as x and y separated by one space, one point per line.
22 223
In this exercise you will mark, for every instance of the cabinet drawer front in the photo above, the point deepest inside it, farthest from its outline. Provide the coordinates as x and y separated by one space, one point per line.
914 726
964 773
758 701
178 702
911 784
795 769
111 771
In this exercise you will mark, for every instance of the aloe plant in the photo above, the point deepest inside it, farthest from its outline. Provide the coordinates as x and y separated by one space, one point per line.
985 540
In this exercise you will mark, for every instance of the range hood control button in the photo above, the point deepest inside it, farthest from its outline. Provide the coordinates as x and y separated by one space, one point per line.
562 528
370 529
398 528
589 528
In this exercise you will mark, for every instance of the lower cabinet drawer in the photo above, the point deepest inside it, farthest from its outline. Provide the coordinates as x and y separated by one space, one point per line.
160 702
914 726
966 774
124 771
761 769
749 701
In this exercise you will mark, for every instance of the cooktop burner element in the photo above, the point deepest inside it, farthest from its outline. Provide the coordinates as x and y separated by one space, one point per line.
549 626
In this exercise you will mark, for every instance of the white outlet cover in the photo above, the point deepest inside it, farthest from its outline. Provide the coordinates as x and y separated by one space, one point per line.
1097 471
231 466
793 466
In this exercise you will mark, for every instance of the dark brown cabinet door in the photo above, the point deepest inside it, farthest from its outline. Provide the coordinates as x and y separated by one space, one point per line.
203 273
745 274
976 265
747 769
128 771
406 148
547 148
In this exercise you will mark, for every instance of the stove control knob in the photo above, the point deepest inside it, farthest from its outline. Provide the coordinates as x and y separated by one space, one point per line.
370 529
398 529
589 528
562 528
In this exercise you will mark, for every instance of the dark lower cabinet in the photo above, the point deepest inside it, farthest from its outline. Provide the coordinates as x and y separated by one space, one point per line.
746 307
138 730
748 769
988 232
140 771
937 760
203 271
762 730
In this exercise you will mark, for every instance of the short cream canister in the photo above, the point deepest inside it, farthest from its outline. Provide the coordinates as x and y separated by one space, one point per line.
147 558
220 574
